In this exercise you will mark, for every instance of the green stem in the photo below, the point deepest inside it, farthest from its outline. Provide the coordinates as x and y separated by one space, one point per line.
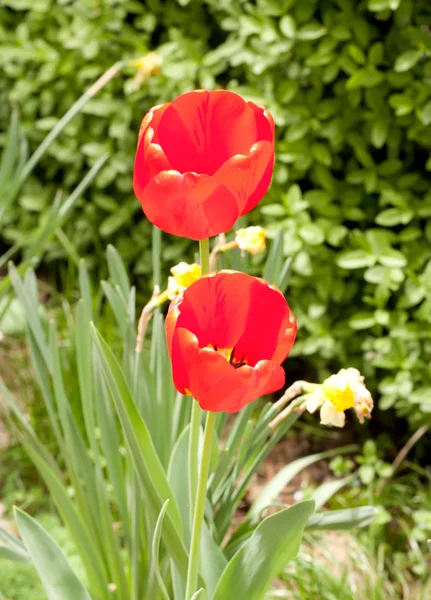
198 516
195 423
204 251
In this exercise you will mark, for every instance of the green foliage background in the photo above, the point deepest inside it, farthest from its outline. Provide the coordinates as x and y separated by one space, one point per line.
349 85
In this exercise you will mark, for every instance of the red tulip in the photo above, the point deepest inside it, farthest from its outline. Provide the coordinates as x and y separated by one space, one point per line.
202 161
227 336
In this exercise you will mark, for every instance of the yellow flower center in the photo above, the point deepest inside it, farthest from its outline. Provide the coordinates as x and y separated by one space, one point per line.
229 355
338 391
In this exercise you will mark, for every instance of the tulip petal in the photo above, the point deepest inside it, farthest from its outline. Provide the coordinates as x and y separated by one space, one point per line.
171 321
150 158
244 175
219 387
216 385
189 205
286 341
184 351
268 315
201 130
215 308
276 379
264 122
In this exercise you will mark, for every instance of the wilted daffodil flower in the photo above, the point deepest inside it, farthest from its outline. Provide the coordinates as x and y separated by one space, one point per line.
147 66
337 394
183 275
251 239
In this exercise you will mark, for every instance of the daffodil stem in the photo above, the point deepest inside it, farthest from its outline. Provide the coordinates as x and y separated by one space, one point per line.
195 423
199 509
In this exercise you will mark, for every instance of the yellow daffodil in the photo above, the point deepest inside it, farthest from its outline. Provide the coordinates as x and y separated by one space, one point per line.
149 64
251 239
183 275
337 394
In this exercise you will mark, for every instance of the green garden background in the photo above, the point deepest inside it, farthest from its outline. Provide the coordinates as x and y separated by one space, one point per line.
349 85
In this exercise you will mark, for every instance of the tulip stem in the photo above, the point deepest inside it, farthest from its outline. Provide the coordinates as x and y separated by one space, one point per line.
204 251
199 509
195 423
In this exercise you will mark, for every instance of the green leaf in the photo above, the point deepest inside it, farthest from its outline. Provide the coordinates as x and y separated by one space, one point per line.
394 216
346 518
322 154
326 490
118 272
297 131
12 317
367 77
58 579
288 26
424 113
379 133
311 31
146 461
355 259
407 60
273 544
213 561
402 104
278 482
155 549
12 549
274 261
362 321
393 258
312 234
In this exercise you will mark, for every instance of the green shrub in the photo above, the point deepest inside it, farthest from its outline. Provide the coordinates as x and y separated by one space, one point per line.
349 85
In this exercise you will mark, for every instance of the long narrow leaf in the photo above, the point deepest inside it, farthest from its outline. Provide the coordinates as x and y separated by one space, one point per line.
57 577
147 464
155 547
346 518
273 544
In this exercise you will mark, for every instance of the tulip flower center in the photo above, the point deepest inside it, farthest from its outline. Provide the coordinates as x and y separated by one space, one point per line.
229 355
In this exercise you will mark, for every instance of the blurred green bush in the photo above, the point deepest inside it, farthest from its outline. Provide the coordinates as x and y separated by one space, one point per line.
349 85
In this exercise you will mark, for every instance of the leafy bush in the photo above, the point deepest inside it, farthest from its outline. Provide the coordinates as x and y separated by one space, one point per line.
349 85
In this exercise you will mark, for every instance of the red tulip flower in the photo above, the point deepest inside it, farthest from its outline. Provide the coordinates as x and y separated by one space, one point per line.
228 335
202 161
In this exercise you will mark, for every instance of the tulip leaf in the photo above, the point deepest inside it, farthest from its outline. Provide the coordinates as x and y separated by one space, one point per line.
273 544
198 594
274 261
283 477
177 475
146 461
12 548
325 491
155 548
346 518
15 555
58 578
118 272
